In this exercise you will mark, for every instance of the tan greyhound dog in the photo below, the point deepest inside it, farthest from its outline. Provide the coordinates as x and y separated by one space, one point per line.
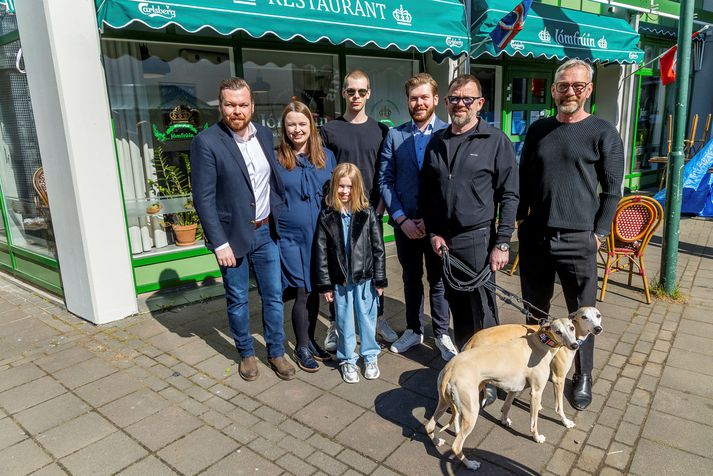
510 365
587 320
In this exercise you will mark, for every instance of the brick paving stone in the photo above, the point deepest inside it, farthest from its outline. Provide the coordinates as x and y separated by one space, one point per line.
355 460
606 471
693 361
371 436
648 383
181 383
328 414
29 394
75 434
220 405
51 413
198 393
657 357
106 456
50 470
618 456
693 342
268 430
197 450
154 432
222 391
245 402
686 435
19 375
84 372
325 445
561 462
243 461
134 407
183 369
268 414
10 433
246 419
296 446
618 400
632 371
655 458
601 386
290 397
167 360
641 397
655 370
172 394
609 373
610 417
109 388
627 433
600 437
239 433
148 466
266 448
295 465
215 419
295 429
326 463
590 459
23 458
573 440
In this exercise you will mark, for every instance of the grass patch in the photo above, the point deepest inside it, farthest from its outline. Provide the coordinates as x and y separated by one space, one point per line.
658 291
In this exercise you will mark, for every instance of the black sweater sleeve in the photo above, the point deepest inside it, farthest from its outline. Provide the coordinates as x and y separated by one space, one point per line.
506 189
610 173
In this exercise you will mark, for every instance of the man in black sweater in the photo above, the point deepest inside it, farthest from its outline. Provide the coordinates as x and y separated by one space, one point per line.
468 171
356 138
562 218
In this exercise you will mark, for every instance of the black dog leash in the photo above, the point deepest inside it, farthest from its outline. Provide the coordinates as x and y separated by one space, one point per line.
475 280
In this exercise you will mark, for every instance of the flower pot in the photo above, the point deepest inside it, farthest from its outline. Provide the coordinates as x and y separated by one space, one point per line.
185 234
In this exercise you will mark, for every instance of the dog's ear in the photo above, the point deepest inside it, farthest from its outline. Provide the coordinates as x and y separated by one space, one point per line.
573 315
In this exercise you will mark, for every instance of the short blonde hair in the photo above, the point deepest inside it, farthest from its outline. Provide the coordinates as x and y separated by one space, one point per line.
356 74
350 171
575 63
419 80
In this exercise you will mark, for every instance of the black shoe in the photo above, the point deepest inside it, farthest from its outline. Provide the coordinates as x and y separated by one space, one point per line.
318 353
581 391
305 361
491 394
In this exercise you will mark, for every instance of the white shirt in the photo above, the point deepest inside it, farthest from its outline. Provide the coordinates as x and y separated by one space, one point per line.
258 170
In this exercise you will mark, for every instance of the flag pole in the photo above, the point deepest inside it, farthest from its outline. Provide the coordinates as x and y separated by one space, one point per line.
705 27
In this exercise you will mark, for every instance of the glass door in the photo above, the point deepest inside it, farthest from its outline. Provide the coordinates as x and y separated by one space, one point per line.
527 99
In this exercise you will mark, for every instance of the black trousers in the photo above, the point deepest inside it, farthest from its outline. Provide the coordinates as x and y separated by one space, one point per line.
572 256
476 310
412 254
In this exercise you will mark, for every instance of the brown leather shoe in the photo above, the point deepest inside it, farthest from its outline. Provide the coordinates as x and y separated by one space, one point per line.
248 368
282 368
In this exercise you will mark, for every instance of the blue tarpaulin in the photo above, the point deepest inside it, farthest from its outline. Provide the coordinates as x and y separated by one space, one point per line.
697 184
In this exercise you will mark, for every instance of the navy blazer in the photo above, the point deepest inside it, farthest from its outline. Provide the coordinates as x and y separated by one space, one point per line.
222 192
399 172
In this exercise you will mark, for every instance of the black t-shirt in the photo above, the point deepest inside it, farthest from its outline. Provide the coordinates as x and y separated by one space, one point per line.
359 144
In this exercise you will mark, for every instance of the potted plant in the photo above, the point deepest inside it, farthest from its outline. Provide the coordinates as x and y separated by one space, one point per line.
172 182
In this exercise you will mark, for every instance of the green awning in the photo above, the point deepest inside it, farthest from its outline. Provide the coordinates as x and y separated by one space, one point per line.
424 25
9 4
554 32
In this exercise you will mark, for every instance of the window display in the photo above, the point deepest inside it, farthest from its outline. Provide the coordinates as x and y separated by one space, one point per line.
22 182
276 77
161 95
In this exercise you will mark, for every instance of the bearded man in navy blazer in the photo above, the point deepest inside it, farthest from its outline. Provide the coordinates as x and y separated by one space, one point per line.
401 161
238 196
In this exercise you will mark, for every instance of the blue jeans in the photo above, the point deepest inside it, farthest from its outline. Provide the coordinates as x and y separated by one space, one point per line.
361 298
264 258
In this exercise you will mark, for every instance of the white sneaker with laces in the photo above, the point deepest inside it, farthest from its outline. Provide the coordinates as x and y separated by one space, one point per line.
445 345
407 340
384 330
330 341
371 371
350 373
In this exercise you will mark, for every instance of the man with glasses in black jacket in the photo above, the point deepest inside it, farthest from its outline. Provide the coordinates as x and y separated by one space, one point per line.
469 173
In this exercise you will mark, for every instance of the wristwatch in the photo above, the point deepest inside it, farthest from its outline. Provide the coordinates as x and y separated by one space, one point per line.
503 246
601 237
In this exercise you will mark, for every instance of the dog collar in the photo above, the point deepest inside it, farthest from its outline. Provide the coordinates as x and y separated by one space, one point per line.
546 339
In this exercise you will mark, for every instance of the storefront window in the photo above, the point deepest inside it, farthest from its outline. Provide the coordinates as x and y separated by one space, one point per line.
488 82
22 185
276 77
387 76
161 95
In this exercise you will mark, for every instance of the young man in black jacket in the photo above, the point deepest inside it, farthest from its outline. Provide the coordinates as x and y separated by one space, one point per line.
563 219
468 173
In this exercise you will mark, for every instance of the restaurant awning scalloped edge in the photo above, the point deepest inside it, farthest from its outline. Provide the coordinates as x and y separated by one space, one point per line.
423 25
554 32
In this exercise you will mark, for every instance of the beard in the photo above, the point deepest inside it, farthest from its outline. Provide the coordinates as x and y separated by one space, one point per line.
568 107
422 114
237 123
461 121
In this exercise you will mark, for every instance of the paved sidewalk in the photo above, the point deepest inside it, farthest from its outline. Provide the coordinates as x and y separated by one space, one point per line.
159 394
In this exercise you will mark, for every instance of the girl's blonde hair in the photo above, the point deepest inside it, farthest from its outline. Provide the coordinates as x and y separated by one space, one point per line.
350 171
286 155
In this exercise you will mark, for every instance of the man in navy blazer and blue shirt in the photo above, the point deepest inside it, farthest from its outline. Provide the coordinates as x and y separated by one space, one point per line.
401 161
238 196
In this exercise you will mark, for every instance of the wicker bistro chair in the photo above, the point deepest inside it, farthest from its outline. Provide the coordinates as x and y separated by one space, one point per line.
635 221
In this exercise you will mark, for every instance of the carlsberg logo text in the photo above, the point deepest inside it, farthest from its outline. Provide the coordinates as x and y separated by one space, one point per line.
152 10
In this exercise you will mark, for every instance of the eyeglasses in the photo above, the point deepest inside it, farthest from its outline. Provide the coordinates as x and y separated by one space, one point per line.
351 92
467 100
578 88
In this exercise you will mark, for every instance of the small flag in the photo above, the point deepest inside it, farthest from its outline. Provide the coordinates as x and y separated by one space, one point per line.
667 62
510 25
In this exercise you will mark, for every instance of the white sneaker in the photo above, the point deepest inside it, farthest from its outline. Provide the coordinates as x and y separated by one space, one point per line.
350 373
385 331
371 371
330 342
445 345
407 340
